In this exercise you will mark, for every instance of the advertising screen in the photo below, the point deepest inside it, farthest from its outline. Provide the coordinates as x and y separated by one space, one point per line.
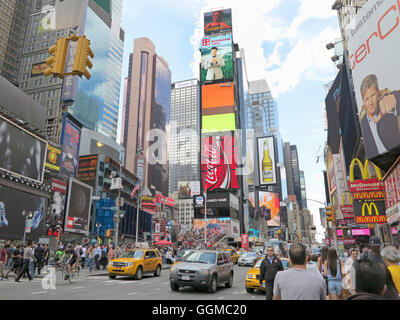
217 22
330 171
218 99
217 59
15 205
70 141
369 212
219 123
53 158
215 226
219 163
78 207
38 69
266 160
56 211
269 210
373 37
87 170
188 189
21 152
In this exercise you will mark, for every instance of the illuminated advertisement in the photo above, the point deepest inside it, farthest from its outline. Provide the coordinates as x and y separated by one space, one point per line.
53 158
330 173
373 37
217 22
220 226
218 99
217 59
70 142
15 206
218 123
188 189
219 163
56 211
38 69
266 160
88 169
21 152
370 212
269 208
78 207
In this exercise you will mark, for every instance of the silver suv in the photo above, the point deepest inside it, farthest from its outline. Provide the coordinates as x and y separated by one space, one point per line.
202 269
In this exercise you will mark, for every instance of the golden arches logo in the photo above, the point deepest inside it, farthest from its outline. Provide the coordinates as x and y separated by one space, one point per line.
369 207
347 195
364 170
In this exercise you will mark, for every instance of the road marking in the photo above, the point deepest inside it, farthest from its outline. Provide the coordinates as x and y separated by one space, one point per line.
133 293
166 282
220 298
77 288
124 282
236 292
39 292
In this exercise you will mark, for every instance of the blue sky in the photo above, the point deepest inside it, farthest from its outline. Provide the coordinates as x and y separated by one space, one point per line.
284 43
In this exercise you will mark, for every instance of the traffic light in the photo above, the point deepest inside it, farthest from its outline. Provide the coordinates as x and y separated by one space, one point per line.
108 233
82 61
330 214
58 58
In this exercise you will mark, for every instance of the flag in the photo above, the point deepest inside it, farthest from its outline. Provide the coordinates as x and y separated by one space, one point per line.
135 189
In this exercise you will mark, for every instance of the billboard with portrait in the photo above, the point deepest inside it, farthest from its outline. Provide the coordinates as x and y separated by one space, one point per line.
269 208
21 152
219 163
56 210
217 59
70 142
15 205
218 22
267 161
373 37
77 216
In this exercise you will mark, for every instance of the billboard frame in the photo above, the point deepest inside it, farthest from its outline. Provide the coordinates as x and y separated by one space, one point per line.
274 163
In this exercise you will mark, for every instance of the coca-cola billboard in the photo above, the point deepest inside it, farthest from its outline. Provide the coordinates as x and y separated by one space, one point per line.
219 163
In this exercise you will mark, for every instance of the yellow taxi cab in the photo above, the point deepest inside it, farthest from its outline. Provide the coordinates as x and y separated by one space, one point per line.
253 275
136 262
233 255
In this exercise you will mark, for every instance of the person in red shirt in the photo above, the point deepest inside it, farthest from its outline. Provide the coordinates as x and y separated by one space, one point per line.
217 23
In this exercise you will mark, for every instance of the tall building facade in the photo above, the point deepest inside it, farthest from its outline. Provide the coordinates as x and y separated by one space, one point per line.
185 132
13 25
94 103
148 108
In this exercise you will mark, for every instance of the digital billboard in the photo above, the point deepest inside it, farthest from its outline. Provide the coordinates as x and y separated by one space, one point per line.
218 99
266 160
373 37
269 208
56 210
370 212
219 123
78 207
70 142
21 152
219 163
217 59
38 69
88 169
217 22
15 206
53 158
215 226
184 189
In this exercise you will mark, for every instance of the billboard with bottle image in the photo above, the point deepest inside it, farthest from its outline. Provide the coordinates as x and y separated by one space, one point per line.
266 161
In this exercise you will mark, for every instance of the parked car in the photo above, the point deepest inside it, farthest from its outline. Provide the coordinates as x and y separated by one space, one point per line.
136 263
233 255
202 269
248 259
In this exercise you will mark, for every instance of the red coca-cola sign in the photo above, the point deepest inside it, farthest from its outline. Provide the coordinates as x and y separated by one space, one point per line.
219 163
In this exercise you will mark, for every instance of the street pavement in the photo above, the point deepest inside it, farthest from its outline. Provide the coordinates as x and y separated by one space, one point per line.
97 286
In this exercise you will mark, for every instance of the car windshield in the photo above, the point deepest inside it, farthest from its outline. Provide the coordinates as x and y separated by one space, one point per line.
201 257
133 254
258 263
249 255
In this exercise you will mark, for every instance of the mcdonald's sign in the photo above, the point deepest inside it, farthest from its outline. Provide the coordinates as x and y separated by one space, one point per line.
366 188
370 212
347 205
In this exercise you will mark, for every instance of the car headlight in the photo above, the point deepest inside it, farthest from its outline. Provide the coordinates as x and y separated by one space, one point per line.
111 264
251 276
204 271
173 268
129 264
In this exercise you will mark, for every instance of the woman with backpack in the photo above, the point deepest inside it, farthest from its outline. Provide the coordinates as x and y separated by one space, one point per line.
334 270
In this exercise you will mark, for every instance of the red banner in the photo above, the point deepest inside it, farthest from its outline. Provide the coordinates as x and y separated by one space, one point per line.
219 163
366 186
156 238
245 241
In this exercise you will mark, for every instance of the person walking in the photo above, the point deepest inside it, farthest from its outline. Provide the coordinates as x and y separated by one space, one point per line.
269 268
347 283
28 256
16 262
333 269
83 257
391 257
90 257
298 283
46 254
38 257
111 253
320 265
3 261
97 254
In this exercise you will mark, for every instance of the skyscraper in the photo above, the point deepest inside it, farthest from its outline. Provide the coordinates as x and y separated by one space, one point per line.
185 129
148 108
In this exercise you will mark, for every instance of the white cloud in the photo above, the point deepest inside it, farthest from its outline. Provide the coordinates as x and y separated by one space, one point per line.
254 25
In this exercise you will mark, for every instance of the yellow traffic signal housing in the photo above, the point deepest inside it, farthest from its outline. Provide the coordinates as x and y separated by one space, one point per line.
330 214
108 233
82 61
58 58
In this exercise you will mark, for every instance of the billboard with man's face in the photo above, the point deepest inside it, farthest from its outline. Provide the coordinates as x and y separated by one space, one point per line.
373 37
218 22
217 59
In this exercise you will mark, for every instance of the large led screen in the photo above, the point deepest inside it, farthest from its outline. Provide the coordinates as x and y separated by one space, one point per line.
21 152
217 22
78 207
218 99
215 227
219 163
56 211
217 59
266 160
219 123
374 61
53 158
70 141
15 206
269 208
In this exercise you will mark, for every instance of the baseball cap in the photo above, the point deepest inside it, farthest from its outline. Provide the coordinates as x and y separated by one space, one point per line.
375 241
